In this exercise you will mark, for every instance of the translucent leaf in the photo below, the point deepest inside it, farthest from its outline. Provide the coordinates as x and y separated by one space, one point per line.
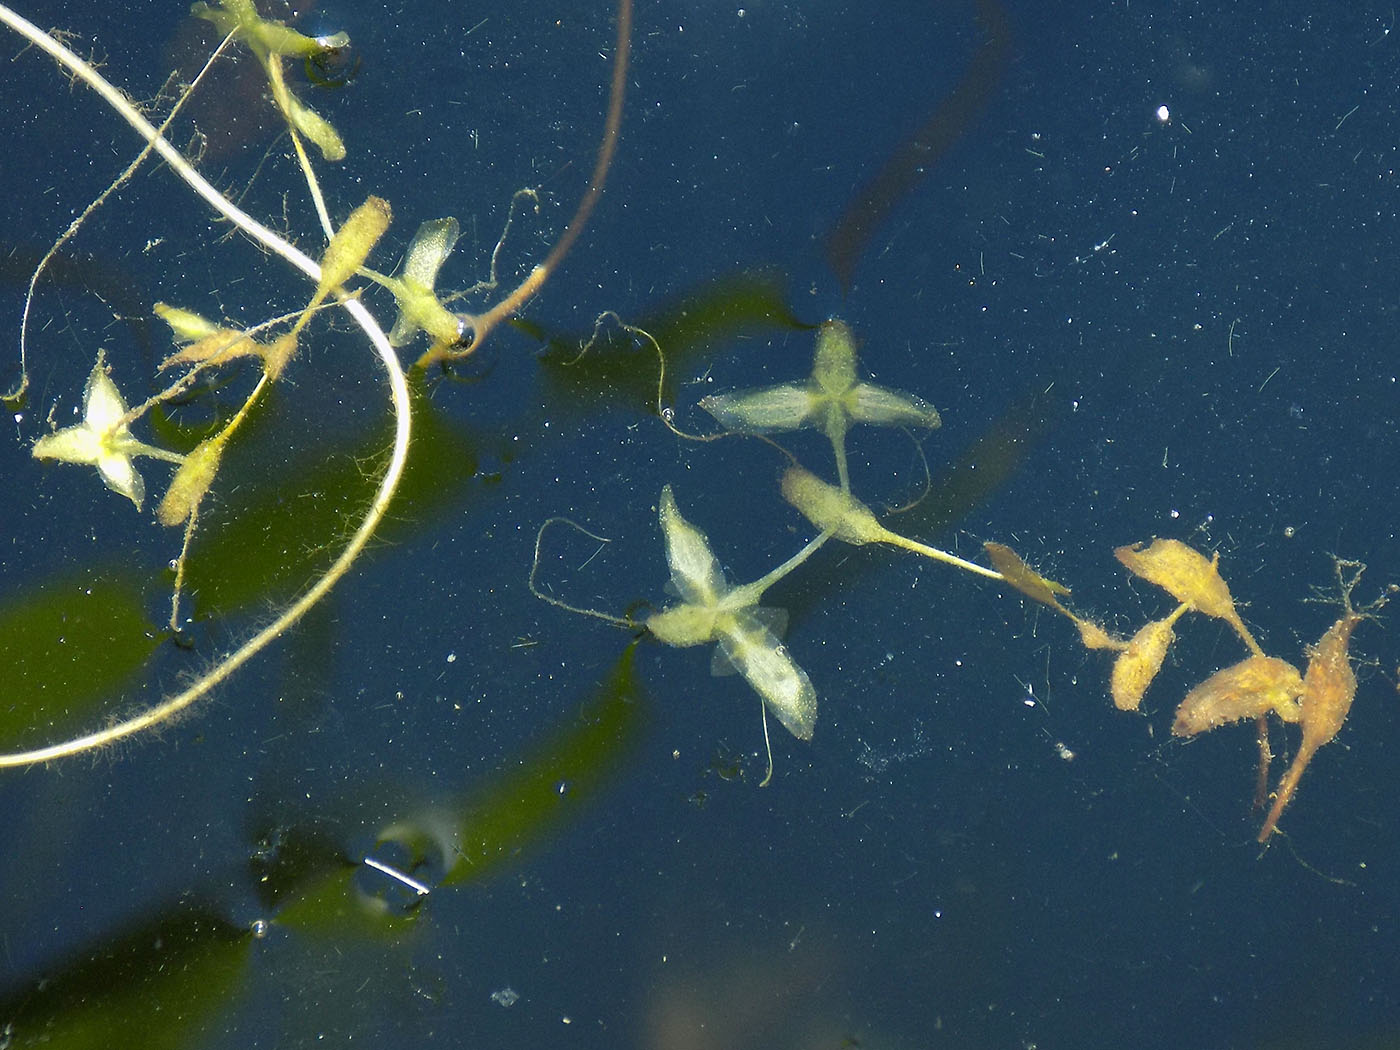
102 439
316 128
419 307
713 611
119 474
773 619
103 404
186 325
216 348
720 664
694 570
70 445
431 245
764 661
777 408
875 404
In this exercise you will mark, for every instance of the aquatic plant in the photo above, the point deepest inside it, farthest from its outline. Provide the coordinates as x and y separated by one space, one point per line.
832 399
103 438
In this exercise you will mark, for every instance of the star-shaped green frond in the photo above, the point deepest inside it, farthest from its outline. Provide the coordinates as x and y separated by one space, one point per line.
831 399
712 611
102 439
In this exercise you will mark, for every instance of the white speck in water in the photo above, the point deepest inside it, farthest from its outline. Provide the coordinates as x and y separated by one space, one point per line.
506 996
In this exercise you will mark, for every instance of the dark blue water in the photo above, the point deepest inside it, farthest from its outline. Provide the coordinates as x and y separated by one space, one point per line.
1150 259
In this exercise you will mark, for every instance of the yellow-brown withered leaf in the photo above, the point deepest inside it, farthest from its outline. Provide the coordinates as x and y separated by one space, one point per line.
1190 578
1021 576
277 353
1095 637
1247 689
216 348
1139 663
1183 572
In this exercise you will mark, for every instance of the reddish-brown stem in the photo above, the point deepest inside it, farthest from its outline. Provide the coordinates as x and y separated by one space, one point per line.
607 148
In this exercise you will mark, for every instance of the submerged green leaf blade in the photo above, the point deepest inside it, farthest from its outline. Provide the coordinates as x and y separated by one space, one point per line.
158 986
521 808
69 644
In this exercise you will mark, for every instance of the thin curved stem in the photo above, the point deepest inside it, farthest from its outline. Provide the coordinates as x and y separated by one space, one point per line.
168 153
608 618
509 306
17 394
